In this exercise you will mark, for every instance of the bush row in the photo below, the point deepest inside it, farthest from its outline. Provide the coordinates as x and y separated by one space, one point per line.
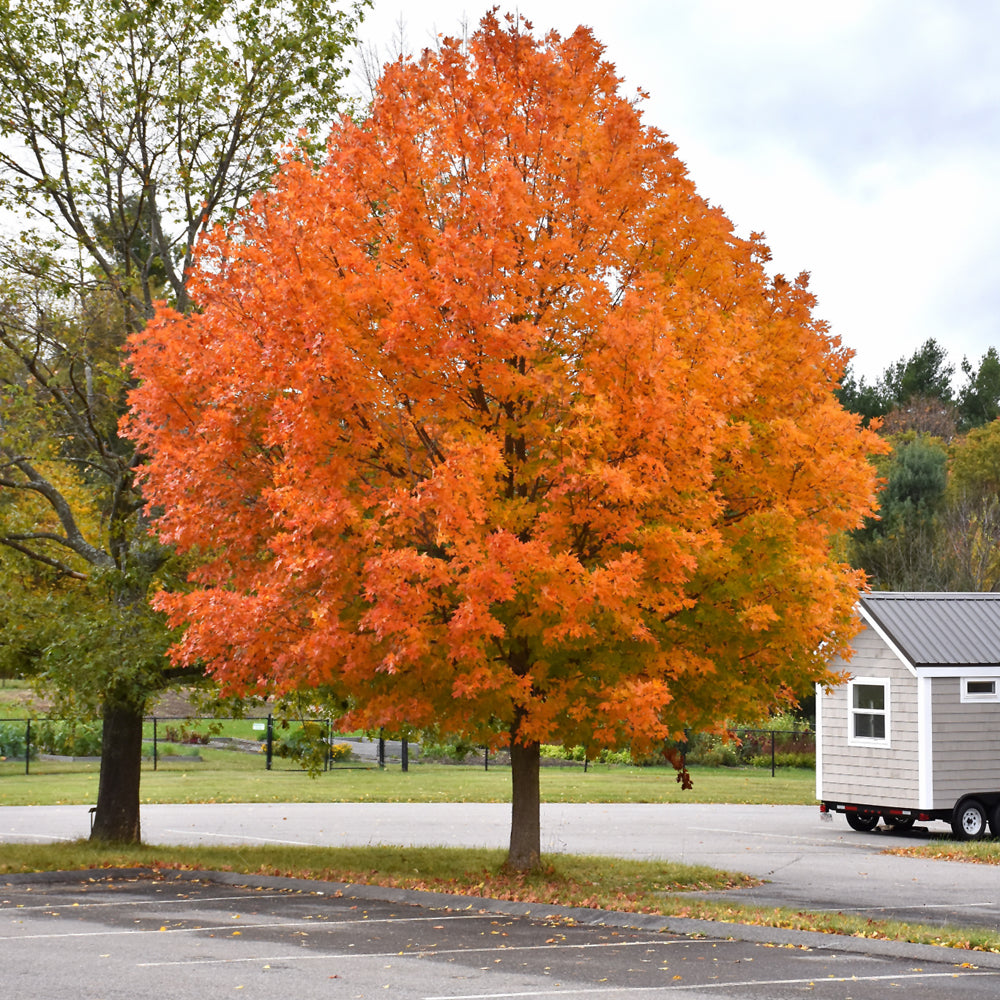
70 738
307 744
746 749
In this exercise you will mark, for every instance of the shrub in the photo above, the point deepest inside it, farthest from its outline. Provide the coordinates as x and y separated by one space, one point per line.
711 750
783 722
69 738
804 760
550 751
184 734
307 745
455 751
752 748
12 736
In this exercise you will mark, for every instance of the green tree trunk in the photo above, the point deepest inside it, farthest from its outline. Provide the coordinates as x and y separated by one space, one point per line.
116 819
525 823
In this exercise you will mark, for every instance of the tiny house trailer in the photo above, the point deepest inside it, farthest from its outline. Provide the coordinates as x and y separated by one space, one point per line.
914 733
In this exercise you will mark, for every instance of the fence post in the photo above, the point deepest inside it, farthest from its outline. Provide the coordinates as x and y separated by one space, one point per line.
270 741
27 745
405 753
772 753
155 755
381 749
329 745
486 758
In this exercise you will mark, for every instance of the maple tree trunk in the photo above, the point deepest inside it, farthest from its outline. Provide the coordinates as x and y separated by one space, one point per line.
117 816
525 822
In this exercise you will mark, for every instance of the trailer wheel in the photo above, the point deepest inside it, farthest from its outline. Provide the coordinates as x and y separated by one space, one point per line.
899 824
860 820
968 821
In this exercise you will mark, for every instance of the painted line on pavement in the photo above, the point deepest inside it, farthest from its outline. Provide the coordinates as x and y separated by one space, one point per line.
71 903
715 985
240 925
240 838
432 952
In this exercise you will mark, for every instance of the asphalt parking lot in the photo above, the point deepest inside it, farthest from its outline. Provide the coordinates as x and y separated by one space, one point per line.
100 936
806 863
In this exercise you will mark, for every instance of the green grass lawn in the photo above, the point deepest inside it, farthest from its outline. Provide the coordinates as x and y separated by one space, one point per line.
225 776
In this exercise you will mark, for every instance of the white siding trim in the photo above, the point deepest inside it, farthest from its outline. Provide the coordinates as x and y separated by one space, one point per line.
874 626
884 743
818 740
960 670
967 697
925 743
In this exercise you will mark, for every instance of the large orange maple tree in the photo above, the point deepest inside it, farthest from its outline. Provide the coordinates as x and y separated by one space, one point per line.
489 424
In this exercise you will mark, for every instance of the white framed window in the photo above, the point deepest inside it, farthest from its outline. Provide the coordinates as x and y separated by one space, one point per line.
980 688
868 712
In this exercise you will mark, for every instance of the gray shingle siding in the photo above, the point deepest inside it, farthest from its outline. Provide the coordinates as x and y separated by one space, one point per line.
966 743
876 775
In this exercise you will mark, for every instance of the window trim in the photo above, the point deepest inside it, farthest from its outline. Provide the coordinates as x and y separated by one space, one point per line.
979 697
869 741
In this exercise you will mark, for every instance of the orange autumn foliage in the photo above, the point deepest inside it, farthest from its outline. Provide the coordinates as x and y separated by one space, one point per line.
490 423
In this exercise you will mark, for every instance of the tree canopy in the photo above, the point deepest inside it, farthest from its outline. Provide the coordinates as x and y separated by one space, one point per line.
130 124
915 393
127 126
488 422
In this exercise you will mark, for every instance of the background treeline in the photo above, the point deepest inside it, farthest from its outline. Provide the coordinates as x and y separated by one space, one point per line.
939 527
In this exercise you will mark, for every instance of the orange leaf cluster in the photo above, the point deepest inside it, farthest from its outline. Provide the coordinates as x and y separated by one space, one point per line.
489 420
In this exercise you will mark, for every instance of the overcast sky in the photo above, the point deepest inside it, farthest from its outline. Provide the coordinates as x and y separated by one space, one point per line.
861 136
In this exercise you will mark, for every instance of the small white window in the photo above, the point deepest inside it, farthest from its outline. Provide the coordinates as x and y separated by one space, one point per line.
868 712
980 688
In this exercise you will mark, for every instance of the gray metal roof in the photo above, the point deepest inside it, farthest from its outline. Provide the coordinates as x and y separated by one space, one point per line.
937 630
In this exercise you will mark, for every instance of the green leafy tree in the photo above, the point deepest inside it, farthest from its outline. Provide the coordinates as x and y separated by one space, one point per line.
868 400
127 127
897 550
926 373
979 397
970 528
975 463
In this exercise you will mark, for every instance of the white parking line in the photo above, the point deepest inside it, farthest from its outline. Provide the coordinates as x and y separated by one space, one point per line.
431 952
240 838
715 985
71 903
46 837
240 925
745 834
905 909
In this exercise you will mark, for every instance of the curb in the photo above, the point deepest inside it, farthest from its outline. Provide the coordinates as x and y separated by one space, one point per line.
683 926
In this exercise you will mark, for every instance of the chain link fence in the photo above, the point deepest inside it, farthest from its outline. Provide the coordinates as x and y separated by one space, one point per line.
274 744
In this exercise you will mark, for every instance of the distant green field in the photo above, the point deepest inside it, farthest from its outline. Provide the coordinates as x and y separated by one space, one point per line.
225 776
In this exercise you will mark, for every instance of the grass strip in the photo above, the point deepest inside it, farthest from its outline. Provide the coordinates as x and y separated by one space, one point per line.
565 879
969 938
980 852
655 887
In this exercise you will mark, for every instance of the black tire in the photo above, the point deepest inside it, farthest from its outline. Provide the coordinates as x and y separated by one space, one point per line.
968 821
899 824
861 820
